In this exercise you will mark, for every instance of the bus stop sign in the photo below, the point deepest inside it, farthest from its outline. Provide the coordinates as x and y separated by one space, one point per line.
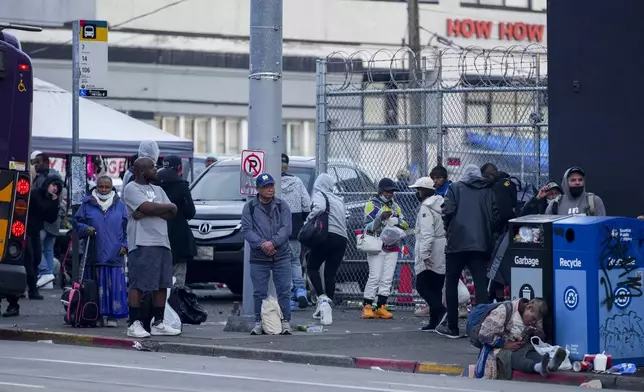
252 164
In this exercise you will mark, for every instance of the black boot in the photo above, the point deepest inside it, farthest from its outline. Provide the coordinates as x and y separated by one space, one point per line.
13 310
35 294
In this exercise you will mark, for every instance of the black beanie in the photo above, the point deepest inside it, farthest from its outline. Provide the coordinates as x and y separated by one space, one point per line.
438 171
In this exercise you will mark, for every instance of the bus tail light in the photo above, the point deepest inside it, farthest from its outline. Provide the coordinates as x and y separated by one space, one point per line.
18 229
20 208
23 186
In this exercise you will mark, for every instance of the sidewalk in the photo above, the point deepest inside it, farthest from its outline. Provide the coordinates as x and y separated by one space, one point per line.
396 345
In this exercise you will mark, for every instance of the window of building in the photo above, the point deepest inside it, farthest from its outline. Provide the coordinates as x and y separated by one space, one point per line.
189 128
500 107
519 5
170 125
294 131
202 131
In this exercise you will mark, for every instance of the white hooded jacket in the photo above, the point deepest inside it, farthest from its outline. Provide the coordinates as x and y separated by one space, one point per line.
430 237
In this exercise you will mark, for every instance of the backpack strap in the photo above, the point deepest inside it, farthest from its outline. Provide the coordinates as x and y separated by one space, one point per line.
326 199
591 204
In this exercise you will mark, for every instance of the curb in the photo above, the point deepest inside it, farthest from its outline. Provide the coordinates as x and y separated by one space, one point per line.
568 378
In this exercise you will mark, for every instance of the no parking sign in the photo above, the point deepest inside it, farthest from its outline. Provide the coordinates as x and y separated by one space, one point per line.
252 164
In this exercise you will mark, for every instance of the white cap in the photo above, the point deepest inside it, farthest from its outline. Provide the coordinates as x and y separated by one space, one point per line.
423 182
35 154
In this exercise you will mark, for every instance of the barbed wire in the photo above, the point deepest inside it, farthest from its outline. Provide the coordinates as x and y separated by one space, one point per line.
435 67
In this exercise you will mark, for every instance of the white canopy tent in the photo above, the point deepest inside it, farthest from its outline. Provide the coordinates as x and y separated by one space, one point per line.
103 131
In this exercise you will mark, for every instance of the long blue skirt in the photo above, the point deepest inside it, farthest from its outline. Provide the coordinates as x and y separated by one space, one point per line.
112 291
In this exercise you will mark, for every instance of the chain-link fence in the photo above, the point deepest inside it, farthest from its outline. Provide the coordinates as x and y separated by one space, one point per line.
398 115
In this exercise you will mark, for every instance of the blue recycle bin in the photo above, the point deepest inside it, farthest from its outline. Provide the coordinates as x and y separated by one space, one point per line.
598 302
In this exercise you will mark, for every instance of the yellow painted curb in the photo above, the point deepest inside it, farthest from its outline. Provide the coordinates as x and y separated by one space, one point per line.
437 368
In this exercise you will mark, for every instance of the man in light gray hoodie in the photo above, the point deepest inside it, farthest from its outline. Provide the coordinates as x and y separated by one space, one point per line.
296 196
575 200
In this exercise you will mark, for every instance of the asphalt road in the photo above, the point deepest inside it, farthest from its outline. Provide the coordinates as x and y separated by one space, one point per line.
49 367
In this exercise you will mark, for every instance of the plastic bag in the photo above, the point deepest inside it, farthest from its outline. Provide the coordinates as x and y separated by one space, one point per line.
170 316
184 301
463 293
391 234
271 316
543 348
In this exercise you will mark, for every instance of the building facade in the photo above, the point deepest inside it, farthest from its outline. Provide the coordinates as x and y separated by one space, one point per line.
183 65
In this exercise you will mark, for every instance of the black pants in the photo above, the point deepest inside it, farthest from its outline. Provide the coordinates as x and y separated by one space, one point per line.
429 285
331 253
524 359
33 255
476 262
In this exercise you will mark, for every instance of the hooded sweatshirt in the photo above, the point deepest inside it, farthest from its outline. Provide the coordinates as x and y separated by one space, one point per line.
568 205
443 189
430 237
337 211
295 194
470 214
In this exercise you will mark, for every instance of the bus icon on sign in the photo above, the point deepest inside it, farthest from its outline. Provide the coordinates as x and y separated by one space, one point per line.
89 32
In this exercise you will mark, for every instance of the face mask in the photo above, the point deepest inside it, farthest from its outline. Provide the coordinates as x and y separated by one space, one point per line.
104 197
385 199
576 191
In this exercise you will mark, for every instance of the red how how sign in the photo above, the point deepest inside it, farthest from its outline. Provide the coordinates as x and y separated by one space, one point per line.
518 31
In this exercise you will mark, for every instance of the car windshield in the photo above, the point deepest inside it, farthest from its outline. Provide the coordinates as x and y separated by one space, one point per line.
221 183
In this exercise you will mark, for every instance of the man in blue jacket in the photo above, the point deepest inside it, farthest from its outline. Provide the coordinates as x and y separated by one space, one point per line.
266 225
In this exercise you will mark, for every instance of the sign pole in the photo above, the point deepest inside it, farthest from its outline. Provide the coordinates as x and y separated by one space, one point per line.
75 139
89 79
264 116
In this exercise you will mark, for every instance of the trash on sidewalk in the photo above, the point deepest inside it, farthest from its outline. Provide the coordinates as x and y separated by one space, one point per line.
378 368
46 341
592 384
310 328
139 347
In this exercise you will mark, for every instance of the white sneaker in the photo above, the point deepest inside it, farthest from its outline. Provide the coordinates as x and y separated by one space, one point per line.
136 330
45 280
162 329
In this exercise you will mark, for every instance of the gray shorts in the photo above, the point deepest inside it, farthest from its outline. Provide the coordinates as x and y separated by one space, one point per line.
149 268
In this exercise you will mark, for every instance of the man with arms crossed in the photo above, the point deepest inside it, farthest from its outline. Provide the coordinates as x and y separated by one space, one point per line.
149 255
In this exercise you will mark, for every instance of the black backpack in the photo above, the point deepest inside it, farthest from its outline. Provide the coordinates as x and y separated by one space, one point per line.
315 231
82 299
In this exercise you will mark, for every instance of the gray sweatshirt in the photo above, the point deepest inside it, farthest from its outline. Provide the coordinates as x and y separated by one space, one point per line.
337 211
575 206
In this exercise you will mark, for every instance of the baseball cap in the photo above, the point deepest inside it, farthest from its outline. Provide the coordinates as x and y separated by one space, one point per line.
553 185
285 159
576 169
264 179
423 182
35 154
171 161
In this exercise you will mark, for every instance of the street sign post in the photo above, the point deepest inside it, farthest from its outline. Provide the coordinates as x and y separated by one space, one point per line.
89 79
92 57
252 164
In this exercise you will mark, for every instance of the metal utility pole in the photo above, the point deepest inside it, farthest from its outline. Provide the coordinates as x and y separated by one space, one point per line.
264 118
74 184
419 137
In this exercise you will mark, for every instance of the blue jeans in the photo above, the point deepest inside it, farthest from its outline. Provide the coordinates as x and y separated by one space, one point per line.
296 265
260 273
47 262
